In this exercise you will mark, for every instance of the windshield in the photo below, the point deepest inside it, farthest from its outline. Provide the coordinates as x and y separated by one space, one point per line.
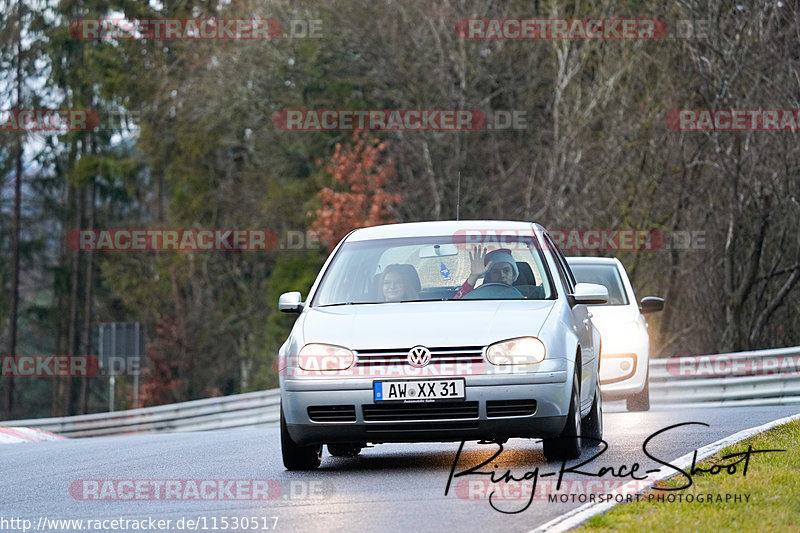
605 275
431 268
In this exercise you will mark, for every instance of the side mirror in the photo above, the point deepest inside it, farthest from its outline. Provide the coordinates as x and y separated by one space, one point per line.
590 293
291 302
651 304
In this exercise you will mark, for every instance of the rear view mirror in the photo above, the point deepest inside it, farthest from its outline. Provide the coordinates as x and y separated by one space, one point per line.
651 304
438 250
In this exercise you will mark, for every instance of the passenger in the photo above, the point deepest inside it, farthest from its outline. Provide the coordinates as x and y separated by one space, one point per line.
496 266
400 283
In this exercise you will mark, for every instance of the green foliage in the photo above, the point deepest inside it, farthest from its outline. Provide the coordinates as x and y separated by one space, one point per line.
292 272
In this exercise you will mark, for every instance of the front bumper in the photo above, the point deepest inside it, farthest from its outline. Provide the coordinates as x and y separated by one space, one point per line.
324 410
622 374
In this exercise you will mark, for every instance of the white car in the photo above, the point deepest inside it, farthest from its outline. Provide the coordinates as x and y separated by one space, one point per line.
395 344
625 343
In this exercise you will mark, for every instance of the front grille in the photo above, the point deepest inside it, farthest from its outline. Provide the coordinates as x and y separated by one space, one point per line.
420 411
332 413
431 427
453 354
499 408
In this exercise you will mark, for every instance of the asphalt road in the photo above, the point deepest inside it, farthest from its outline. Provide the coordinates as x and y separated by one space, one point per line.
390 487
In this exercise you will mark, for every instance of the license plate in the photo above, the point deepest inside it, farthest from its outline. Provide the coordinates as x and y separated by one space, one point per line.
418 391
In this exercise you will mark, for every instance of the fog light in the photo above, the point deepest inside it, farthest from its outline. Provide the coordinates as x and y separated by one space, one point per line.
625 366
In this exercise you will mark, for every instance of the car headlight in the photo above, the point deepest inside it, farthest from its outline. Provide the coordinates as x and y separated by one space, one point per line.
622 337
325 357
519 351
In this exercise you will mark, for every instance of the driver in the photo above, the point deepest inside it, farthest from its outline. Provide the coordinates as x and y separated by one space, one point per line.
496 266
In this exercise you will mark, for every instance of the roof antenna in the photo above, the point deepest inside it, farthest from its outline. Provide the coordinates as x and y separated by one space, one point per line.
458 197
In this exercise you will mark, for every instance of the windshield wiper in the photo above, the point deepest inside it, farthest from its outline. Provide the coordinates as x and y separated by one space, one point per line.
350 303
372 303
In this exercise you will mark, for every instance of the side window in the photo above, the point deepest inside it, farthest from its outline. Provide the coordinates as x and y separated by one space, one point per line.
561 265
567 269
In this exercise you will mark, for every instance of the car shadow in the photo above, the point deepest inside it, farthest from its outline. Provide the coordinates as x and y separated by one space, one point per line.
517 454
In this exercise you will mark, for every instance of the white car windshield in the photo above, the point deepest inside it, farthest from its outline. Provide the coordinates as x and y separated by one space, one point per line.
605 275
430 268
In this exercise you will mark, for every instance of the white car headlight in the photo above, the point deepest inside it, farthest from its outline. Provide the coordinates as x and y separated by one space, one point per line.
325 357
519 351
622 337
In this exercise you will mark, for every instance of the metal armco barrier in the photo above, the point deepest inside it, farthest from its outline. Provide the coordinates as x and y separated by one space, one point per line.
253 409
766 377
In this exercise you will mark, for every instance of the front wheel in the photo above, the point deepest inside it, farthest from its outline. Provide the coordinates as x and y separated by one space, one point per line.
568 443
641 400
296 457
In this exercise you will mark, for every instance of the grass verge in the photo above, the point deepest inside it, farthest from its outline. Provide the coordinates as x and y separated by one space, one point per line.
772 483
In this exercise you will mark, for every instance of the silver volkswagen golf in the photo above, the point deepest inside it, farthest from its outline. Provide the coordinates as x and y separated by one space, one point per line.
441 331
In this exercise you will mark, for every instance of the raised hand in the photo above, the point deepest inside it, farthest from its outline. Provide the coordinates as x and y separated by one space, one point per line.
477 267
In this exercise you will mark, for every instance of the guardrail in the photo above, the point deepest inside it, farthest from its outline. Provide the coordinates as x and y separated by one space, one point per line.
763 377
252 409
777 384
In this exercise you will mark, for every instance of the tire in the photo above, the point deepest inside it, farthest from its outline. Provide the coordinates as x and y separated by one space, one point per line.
296 457
568 443
344 450
641 400
592 425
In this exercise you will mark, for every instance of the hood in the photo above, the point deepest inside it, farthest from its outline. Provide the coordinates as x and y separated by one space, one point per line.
606 317
432 324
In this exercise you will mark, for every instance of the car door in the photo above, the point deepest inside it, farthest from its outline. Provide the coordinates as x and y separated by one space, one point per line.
582 326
